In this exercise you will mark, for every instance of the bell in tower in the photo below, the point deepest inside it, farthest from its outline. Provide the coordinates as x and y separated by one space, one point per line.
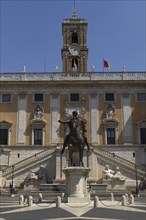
74 50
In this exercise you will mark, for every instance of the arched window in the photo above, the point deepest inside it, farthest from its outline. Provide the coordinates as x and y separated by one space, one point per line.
74 37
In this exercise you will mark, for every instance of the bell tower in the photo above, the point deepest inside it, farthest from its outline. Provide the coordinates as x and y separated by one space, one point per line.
74 50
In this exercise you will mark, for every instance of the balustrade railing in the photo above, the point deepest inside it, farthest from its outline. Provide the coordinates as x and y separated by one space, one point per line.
49 76
119 160
29 160
98 150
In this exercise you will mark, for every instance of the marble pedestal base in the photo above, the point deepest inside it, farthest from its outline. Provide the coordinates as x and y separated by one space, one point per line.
33 184
76 185
115 185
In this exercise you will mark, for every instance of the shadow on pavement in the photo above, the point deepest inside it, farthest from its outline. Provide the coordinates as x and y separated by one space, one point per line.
115 214
38 214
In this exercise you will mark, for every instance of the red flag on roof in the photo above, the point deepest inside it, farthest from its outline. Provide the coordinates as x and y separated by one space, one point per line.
106 64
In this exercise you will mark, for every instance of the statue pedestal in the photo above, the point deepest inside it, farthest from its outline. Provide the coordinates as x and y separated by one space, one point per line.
76 185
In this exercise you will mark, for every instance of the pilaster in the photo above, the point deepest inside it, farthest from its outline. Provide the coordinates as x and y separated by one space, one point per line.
58 164
21 118
127 118
55 115
94 118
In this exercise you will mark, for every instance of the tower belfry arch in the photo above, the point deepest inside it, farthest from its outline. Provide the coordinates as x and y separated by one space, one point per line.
74 50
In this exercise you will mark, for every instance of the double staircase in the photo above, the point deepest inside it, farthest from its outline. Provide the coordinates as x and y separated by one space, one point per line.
37 159
28 163
123 164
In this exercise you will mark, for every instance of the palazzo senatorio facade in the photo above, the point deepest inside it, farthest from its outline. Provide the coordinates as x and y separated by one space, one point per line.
112 103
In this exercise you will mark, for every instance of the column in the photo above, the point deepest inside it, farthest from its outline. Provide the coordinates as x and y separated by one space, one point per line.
127 118
94 118
55 116
21 119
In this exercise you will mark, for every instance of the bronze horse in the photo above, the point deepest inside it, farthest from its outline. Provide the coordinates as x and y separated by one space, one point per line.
76 139
76 143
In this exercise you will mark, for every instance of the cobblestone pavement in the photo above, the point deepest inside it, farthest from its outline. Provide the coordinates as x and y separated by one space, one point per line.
106 210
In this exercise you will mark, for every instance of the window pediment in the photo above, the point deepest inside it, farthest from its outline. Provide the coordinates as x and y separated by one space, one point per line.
38 123
5 124
113 121
141 123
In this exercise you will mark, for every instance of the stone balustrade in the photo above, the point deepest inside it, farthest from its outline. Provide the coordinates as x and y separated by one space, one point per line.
97 150
123 162
28 161
52 76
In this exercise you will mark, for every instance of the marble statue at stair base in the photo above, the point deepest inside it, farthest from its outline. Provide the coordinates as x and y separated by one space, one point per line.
34 179
114 179
110 174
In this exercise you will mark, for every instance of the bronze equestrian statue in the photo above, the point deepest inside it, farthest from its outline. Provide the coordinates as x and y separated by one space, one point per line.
76 139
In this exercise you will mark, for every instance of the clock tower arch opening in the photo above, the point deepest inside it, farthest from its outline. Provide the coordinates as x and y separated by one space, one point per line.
74 37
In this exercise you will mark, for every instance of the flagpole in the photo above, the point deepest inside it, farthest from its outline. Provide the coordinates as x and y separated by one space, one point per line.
103 64
45 64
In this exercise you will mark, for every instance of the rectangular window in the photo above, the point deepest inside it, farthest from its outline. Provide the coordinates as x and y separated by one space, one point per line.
38 137
6 98
141 97
110 136
3 136
38 97
109 97
143 135
74 97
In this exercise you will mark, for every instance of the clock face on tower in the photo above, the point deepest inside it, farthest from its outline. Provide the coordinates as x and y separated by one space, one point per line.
74 49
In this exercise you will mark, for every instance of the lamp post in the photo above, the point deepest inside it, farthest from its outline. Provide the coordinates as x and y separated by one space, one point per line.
12 183
137 188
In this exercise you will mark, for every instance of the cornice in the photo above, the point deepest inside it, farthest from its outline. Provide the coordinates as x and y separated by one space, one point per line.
72 89
72 80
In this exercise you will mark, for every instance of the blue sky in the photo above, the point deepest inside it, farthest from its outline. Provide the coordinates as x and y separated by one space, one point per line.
31 33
